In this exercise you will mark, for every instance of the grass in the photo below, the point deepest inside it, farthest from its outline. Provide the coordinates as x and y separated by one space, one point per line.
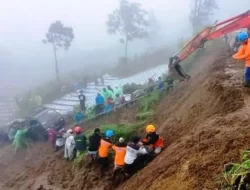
146 103
236 174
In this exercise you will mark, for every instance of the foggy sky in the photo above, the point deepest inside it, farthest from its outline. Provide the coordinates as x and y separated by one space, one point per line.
25 22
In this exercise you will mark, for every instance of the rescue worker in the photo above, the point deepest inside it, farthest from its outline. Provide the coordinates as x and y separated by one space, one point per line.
174 64
105 146
80 141
120 151
153 140
69 145
94 143
237 43
134 158
244 54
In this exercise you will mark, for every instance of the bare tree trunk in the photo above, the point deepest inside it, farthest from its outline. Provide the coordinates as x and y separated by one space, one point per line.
126 50
56 63
197 7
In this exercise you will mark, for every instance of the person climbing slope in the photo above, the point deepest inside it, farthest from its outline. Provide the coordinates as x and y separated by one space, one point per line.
120 152
69 145
153 140
80 141
94 143
105 146
134 157
244 54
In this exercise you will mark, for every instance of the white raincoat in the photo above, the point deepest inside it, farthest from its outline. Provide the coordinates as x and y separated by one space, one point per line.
69 146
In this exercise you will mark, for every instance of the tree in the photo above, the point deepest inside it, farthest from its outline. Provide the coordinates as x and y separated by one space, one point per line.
60 37
153 28
201 13
129 21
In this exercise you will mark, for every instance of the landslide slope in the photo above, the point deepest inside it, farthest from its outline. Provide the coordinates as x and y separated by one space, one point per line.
205 123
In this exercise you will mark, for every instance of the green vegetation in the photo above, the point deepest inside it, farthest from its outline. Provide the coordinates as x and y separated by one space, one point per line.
146 103
144 115
236 175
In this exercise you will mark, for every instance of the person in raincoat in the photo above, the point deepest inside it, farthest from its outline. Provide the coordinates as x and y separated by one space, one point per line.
69 145
244 54
52 133
106 94
118 90
20 139
99 103
79 117
111 92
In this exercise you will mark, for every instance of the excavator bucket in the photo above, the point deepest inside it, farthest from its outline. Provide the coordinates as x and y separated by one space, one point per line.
172 73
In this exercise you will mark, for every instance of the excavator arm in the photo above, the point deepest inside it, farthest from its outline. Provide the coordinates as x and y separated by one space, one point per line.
210 33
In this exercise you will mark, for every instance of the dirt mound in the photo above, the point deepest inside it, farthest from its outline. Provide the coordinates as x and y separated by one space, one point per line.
205 123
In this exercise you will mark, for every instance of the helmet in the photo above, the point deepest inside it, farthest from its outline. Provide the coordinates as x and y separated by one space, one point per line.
109 133
121 140
78 129
242 36
150 129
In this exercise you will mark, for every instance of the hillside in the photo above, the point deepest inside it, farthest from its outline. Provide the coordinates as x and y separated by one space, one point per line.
205 123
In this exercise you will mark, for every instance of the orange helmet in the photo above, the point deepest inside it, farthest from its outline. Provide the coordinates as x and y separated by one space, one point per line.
78 129
150 129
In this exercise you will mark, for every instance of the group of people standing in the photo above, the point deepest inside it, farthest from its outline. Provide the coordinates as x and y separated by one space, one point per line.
108 98
130 156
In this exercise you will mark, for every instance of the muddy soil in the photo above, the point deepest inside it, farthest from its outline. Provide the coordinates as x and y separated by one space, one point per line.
41 168
205 124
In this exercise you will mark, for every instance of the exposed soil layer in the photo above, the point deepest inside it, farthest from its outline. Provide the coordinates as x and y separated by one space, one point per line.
205 123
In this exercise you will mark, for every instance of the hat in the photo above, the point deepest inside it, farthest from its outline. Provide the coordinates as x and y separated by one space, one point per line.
121 140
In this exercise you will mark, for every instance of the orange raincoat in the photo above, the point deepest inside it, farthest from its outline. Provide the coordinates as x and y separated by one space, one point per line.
244 53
